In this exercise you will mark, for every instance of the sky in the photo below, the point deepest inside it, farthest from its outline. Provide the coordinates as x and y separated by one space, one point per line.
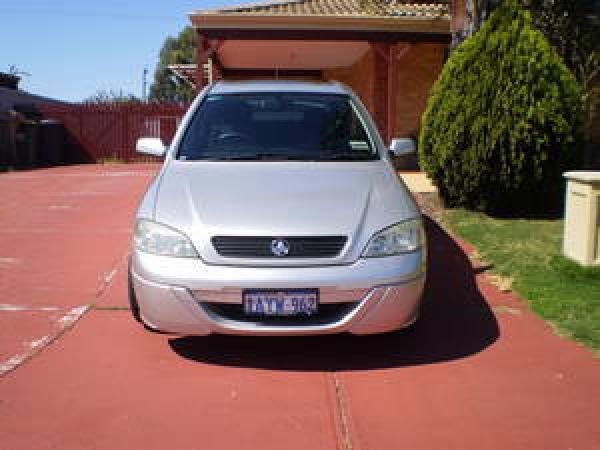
72 49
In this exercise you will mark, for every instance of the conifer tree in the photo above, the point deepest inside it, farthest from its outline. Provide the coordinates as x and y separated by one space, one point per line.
504 120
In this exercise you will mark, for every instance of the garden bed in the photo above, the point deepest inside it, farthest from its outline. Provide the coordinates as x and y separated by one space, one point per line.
525 255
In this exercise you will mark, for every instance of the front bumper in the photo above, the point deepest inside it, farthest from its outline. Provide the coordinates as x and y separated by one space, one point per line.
385 294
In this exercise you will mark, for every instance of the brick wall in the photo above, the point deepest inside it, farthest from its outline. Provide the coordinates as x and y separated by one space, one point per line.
359 77
418 69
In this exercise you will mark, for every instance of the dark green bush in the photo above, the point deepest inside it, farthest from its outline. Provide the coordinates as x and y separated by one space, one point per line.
503 121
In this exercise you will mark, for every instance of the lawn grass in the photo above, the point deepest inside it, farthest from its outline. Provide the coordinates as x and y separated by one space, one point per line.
113 159
561 291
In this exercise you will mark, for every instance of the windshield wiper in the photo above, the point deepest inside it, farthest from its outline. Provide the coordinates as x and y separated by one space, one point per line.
263 156
250 157
347 157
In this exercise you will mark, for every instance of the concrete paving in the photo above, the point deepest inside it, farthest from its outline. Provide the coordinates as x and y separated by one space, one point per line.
478 370
417 182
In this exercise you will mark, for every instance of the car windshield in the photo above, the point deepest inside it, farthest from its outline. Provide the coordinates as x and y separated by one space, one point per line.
276 126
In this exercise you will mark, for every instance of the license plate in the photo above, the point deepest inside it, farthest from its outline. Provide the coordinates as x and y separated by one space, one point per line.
284 302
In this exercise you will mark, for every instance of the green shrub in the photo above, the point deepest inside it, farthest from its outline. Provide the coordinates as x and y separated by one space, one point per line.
503 121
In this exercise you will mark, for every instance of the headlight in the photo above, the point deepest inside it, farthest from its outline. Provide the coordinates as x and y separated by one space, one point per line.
403 237
152 237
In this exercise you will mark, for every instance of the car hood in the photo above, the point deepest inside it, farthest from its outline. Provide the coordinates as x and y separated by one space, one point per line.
279 199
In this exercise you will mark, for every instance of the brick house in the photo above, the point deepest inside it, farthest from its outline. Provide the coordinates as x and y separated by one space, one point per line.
389 51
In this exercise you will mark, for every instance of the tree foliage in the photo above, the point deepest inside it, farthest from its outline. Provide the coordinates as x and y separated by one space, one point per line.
571 26
504 119
111 96
573 29
176 50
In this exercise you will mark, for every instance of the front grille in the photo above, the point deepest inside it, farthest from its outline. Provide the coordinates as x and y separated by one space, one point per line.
260 247
326 314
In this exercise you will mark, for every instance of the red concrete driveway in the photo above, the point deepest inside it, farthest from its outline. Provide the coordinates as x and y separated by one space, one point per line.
478 371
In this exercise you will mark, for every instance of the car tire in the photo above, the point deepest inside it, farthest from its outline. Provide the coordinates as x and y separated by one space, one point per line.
133 304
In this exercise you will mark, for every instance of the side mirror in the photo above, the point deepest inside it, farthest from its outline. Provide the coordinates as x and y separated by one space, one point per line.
150 146
402 146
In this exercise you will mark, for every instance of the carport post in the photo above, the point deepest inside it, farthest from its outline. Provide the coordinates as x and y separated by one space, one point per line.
387 57
216 68
392 80
382 52
397 51
201 60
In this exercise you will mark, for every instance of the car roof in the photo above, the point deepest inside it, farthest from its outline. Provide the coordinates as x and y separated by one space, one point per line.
238 87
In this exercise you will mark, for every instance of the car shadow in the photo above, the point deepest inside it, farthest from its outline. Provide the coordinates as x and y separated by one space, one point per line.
455 322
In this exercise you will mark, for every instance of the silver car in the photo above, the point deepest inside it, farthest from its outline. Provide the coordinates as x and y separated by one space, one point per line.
277 212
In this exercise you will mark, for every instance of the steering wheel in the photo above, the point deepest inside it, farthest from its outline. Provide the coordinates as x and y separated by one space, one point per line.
235 137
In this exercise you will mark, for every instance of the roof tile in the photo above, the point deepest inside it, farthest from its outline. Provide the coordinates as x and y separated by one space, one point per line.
353 8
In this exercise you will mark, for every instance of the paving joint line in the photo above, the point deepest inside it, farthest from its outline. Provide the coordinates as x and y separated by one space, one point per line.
110 308
5 307
109 276
63 324
341 409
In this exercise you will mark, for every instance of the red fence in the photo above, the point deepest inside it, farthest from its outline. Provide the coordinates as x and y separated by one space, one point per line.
110 131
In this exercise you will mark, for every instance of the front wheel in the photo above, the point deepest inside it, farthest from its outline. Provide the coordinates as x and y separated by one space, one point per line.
134 305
